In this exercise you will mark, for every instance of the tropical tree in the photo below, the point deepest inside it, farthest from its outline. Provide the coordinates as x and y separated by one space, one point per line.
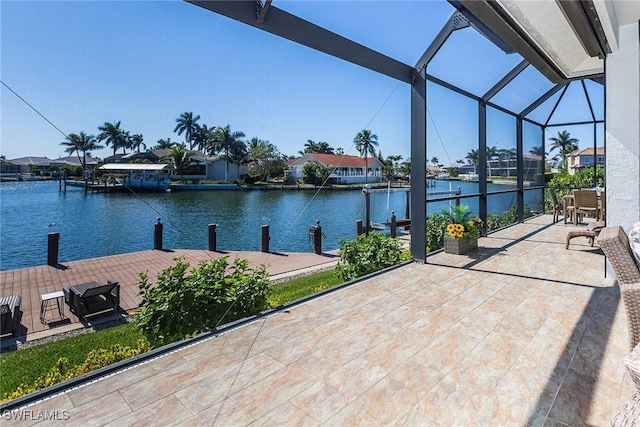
324 148
366 143
340 151
179 159
435 161
473 157
405 169
505 154
238 154
187 123
164 143
113 135
204 139
491 153
565 144
225 139
390 169
315 173
81 143
136 142
538 151
264 159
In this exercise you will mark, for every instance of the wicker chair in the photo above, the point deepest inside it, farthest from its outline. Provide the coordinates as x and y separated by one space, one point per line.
615 244
585 203
557 207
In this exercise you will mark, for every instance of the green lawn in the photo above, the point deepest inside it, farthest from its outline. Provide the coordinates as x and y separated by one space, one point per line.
25 366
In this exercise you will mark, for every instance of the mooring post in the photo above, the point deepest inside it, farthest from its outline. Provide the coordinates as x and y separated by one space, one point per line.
157 236
213 244
53 243
317 238
458 192
358 227
367 198
393 224
265 238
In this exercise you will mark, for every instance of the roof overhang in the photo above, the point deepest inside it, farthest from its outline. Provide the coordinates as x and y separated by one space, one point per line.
135 166
564 40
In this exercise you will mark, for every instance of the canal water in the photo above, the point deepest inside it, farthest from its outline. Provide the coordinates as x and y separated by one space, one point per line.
93 225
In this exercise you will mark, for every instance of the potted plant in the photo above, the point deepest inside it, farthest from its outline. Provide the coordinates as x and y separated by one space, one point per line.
462 232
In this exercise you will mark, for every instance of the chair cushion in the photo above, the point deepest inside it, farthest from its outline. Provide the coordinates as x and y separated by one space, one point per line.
632 362
634 241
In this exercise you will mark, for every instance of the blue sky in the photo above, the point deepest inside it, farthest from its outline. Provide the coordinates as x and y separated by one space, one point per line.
144 63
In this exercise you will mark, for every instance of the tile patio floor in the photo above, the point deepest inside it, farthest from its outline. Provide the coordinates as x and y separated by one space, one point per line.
524 332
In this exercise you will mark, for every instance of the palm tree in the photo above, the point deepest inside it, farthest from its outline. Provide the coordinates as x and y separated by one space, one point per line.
81 143
340 151
164 143
565 143
309 147
180 160
491 153
113 135
187 123
136 142
204 139
238 154
538 151
473 158
366 143
325 148
225 139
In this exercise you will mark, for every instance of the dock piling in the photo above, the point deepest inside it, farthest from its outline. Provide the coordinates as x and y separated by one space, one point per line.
53 244
393 224
157 236
213 237
265 238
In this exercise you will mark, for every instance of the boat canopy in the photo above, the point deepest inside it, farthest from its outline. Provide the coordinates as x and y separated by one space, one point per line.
136 166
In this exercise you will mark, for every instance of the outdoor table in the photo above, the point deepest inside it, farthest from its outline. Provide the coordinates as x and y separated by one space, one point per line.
48 299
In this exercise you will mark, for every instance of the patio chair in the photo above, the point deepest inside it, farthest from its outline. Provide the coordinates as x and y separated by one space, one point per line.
92 297
585 203
615 244
591 232
9 313
557 207
629 414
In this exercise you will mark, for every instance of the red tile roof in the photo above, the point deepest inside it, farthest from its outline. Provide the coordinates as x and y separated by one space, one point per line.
336 160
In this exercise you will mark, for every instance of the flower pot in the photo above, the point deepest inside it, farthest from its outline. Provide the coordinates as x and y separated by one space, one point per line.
459 246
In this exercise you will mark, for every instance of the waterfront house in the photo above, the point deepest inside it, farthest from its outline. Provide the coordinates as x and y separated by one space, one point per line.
202 165
584 158
344 169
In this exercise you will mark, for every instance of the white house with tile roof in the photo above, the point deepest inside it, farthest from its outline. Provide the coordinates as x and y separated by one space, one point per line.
344 169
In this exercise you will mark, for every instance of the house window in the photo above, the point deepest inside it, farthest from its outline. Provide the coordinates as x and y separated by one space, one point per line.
587 160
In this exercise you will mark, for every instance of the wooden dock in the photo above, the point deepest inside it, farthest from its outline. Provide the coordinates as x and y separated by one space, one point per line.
32 282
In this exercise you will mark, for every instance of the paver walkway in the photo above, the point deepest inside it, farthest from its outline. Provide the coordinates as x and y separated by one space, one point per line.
523 332
32 282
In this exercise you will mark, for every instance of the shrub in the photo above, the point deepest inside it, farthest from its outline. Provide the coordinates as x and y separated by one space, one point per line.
63 370
184 303
368 254
436 224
